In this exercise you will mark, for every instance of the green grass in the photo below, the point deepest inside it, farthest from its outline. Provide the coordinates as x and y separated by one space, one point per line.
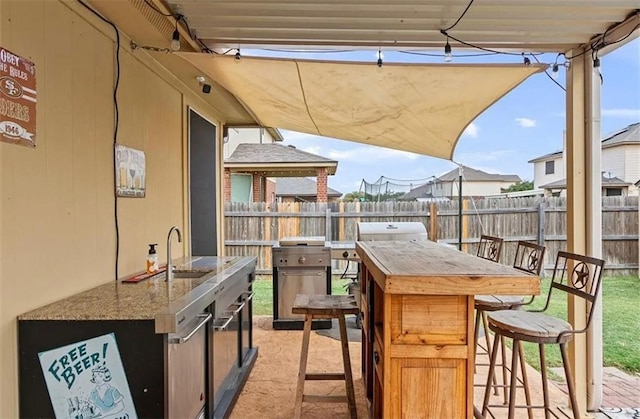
620 324
263 297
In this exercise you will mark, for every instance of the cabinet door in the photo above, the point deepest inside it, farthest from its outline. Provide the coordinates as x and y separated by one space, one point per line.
246 326
427 388
186 376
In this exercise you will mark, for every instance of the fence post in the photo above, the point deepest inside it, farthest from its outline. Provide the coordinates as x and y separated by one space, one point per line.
327 233
465 224
433 222
541 223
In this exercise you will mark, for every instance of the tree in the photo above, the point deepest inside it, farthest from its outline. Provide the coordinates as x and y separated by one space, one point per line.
524 185
354 196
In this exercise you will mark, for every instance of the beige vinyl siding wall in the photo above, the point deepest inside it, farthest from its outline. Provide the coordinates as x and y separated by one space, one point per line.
57 208
613 161
632 163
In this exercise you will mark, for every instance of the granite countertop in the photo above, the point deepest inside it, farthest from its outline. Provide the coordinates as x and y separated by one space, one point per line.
136 301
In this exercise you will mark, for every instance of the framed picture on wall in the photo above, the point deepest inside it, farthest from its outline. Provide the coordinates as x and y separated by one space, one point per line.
130 172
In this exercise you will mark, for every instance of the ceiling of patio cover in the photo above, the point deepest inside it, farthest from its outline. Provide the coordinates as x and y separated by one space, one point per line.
420 108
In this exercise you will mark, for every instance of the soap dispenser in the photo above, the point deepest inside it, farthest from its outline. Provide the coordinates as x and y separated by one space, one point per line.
152 259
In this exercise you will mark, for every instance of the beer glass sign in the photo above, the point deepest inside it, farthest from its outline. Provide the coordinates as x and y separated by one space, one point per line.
130 167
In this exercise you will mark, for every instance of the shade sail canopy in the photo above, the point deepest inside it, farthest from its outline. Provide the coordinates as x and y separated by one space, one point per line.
420 108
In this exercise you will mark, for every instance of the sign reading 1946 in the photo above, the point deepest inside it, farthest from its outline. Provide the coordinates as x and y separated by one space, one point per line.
17 99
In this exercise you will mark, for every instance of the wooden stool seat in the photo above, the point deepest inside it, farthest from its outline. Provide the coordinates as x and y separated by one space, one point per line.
530 326
325 307
497 302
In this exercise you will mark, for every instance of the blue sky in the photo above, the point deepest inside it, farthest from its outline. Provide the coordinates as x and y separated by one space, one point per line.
526 123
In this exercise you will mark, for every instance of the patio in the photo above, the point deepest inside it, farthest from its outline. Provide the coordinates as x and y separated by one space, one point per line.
270 389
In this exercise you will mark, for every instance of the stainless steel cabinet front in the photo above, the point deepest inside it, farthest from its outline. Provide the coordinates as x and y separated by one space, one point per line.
186 361
225 349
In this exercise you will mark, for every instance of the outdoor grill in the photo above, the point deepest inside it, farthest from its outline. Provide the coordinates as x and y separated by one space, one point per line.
301 265
412 231
372 231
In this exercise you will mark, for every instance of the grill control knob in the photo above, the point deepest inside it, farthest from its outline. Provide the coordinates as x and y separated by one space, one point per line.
302 260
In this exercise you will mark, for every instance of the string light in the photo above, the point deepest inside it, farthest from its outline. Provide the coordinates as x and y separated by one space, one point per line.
238 55
447 52
379 56
175 39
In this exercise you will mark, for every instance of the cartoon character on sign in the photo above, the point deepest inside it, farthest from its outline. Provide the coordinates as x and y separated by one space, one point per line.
106 398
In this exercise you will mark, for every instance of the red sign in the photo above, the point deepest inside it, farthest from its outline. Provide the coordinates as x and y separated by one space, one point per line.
17 99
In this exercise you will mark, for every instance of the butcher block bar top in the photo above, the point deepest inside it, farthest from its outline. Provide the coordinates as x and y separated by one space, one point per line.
417 324
426 267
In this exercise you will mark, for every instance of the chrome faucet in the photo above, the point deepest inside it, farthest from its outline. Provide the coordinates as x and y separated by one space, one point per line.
169 265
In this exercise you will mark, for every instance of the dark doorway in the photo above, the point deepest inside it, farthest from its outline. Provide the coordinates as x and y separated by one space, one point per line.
202 186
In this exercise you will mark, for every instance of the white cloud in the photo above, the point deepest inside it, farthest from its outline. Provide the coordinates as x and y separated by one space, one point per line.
526 122
369 154
476 159
471 130
622 113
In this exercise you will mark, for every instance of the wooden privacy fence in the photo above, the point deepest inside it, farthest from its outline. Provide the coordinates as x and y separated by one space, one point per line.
253 228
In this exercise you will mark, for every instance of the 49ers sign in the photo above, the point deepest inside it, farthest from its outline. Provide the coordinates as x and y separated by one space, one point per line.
17 99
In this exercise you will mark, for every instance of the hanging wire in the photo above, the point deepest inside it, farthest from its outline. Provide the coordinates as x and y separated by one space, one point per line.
179 17
549 75
461 16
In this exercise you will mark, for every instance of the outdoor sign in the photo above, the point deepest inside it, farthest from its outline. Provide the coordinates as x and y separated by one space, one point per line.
17 99
87 380
130 172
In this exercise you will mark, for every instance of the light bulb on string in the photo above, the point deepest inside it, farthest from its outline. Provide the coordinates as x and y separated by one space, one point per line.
379 56
554 71
175 40
447 52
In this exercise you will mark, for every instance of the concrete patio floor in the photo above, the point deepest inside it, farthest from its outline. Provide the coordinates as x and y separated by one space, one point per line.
271 387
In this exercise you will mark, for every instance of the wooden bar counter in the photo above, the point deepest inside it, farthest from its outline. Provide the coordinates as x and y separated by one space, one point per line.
418 318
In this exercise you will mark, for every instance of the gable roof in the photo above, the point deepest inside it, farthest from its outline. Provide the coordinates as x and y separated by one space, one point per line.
420 192
628 135
277 160
606 181
474 175
549 156
301 186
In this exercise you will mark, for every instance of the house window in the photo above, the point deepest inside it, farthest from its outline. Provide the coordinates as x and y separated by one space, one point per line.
613 192
549 167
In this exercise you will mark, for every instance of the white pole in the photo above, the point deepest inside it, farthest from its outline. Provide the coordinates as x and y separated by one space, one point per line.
594 227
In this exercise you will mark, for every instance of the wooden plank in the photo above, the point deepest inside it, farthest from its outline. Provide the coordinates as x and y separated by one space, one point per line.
399 267
429 351
427 382
428 320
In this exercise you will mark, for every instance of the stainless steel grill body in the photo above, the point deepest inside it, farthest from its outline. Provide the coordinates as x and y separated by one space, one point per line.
301 265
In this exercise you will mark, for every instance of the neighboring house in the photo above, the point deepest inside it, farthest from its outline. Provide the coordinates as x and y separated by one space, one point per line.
301 189
474 183
611 186
620 160
236 136
247 170
548 169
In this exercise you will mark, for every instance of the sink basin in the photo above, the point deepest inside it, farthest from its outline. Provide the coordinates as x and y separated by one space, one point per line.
189 274
161 277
